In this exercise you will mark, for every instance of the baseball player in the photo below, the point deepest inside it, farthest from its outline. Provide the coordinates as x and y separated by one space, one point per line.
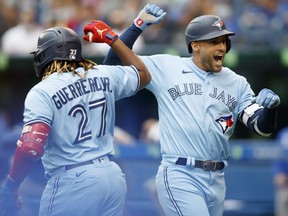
69 123
199 103
280 180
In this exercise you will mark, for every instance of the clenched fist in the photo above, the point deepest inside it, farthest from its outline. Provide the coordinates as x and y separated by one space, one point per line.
267 98
151 14
99 32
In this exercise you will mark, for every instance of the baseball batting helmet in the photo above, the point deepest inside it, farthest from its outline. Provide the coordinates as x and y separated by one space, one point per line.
57 43
206 27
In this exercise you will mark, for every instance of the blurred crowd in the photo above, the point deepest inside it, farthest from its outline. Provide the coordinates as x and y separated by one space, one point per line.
258 23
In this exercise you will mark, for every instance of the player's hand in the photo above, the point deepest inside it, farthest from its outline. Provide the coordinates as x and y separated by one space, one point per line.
267 98
149 15
99 32
10 202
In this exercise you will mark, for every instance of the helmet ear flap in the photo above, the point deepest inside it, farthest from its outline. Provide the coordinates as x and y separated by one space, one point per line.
37 60
228 45
189 47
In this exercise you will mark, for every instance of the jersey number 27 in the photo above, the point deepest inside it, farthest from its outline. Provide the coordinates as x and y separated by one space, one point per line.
83 134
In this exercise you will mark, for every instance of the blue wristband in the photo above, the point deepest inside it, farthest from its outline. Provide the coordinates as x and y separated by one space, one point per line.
139 23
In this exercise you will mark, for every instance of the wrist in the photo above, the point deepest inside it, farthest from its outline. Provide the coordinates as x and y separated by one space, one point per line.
134 28
10 184
139 23
111 37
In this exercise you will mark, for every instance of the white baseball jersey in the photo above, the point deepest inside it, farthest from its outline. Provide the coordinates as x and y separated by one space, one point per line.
80 111
198 110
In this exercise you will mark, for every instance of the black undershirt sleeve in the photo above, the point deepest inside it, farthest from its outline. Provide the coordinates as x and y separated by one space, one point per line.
129 36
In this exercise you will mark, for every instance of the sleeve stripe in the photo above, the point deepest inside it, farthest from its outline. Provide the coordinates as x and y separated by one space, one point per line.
37 121
138 79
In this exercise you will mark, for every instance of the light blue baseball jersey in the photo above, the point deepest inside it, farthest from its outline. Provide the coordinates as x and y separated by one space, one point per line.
198 110
80 111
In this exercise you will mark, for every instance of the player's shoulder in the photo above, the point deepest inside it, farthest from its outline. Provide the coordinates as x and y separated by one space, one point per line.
162 58
52 82
107 68
111 71
226 71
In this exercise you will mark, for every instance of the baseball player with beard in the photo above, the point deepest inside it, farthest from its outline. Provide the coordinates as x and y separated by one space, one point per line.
199 103
69 123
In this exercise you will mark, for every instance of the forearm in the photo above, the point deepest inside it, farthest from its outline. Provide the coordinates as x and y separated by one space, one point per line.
151 14
99 32
128 37
20 168
261 120
267 120
128 57
30 149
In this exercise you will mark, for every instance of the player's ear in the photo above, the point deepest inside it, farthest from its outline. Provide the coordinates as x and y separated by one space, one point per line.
195 46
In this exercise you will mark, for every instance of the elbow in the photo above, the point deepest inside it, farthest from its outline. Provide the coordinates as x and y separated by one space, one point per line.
145 78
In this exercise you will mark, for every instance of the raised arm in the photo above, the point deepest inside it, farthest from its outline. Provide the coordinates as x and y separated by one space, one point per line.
261 115
149 15
99 32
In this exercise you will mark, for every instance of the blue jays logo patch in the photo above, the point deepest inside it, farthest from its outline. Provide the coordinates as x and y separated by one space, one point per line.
219 23
225 122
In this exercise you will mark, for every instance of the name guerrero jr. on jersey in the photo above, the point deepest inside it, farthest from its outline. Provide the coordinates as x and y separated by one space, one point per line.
79 88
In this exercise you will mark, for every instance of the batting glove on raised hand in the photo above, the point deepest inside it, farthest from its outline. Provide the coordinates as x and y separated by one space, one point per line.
99 32
10 202
267 98
149 15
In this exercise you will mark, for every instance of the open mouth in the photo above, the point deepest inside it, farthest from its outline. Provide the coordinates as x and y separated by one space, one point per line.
218 58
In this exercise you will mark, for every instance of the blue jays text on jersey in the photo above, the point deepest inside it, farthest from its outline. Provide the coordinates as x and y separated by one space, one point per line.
196 89
79 88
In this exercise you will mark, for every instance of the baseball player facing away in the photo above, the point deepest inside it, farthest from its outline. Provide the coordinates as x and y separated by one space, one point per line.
199 102
69 123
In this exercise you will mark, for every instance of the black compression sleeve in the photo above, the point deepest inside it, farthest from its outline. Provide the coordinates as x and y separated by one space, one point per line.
267 120
129 36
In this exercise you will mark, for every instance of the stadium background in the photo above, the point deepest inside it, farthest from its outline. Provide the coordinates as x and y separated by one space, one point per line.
259 52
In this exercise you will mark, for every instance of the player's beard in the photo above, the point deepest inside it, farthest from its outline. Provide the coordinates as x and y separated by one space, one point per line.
211 64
